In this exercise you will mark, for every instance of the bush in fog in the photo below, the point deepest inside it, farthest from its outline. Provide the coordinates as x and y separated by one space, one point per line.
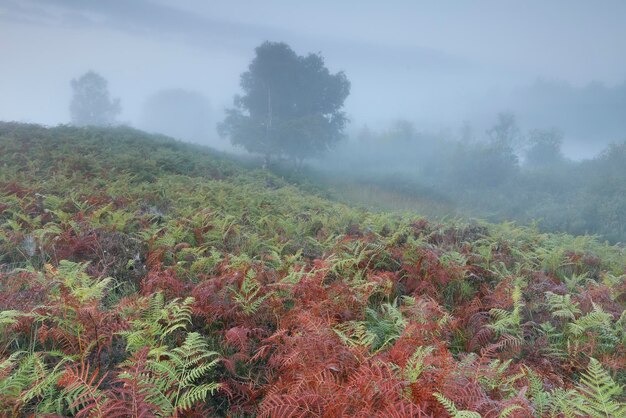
505 140
544 147
402 131
291 106
505 134
91 103
481 165
490 163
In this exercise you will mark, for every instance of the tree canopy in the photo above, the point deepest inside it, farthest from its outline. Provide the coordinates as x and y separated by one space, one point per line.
291 106
544 147
91 103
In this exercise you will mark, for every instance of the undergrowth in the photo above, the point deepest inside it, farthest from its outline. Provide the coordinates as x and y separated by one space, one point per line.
144 277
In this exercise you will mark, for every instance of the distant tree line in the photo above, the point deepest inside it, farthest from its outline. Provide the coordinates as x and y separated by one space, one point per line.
504 174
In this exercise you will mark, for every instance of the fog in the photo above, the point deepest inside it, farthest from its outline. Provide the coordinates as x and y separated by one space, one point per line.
281 208
438 64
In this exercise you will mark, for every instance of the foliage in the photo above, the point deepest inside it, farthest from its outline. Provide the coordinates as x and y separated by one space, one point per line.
452 410
544 147
91 104
144 277
597 393
442 175
291 104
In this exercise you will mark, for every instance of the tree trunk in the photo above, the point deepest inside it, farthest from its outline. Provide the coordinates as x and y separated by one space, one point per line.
266 162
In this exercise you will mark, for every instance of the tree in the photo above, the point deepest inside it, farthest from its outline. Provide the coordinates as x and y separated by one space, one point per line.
505 134
499 157
467 132
291 105
178 113
544 147
91 104
402 131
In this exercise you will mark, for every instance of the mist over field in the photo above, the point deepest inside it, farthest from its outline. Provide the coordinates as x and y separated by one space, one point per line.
313 209
558 64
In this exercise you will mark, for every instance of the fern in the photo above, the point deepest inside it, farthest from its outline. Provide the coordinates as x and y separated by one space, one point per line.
83 287
575 282
506 412
20 373
541 400
8 318
598 321
138 393
415 365
45 391
81 390
452 409
562 306
157 321
29 378
247 297
620 326
561 403
179 370
598 394
557 341
494 377
509 322
377 331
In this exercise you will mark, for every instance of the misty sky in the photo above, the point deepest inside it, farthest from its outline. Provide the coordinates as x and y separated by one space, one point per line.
434 62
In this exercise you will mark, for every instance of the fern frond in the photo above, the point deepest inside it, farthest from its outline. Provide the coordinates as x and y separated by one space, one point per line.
195 395
415 365
248 296
83 287
157 321
8 318
178 370
81 391
562 306
506 412
285 406
452 409
599 394
561 401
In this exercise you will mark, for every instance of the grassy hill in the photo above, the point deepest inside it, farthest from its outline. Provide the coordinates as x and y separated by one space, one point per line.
140 276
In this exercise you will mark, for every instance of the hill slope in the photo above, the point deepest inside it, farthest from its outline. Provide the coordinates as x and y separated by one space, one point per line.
144 277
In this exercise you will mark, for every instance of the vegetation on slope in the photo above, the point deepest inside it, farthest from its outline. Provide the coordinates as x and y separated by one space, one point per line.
144 277
442 175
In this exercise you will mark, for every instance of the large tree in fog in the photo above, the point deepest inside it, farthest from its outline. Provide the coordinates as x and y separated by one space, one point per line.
291 106
178 113
91 103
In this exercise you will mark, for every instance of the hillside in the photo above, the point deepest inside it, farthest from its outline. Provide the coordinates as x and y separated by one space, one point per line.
140 276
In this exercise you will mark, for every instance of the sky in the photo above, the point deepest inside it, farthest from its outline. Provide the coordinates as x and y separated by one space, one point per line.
437 63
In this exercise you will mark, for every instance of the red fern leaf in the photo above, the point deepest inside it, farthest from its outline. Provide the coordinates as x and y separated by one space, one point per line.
131 396
81 389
